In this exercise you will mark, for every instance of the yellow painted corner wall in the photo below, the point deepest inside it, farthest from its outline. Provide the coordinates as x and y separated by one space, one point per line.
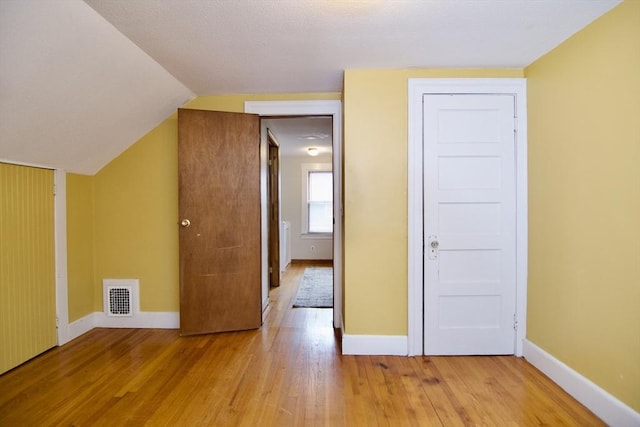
584 202
80 246
375 193
136 214
136 207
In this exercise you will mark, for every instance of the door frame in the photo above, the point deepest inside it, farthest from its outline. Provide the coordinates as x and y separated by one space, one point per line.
273 206
60 233
315 108
415 196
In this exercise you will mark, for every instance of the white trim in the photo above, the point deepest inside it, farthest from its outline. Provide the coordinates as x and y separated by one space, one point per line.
316 236
60 233
334 109
415 240
378 345
606 406
143 320
416 88
82 325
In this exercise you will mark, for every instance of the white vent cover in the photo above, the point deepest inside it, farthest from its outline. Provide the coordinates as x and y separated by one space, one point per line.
120 297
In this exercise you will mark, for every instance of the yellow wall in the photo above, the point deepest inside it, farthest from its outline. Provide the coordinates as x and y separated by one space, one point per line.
80 246
584 202
136 208
136 214
375 181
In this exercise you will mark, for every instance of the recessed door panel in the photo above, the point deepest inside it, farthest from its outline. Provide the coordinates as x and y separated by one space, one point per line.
470 266
470 312
469 218
468 126
466 172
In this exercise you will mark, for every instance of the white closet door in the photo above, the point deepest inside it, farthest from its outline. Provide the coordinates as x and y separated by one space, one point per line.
469 224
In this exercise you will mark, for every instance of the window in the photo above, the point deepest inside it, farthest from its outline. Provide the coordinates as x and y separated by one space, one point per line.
317 199
320 202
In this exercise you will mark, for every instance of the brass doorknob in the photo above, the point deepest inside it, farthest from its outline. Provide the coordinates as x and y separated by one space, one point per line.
185 223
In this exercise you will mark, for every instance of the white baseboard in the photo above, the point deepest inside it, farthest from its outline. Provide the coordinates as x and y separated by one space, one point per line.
82 326
143 319
380 345
611 410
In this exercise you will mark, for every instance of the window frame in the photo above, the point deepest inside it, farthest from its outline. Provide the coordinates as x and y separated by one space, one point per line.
306 169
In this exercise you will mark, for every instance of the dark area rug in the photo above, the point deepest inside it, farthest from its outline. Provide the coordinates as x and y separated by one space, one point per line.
316 288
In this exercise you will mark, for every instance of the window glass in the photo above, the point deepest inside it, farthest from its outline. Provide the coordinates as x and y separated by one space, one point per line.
320 201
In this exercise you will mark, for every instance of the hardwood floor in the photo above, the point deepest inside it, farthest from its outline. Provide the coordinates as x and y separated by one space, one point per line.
288 373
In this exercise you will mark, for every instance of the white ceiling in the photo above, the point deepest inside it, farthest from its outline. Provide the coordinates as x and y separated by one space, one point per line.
245 46
80 82
75 92
297 134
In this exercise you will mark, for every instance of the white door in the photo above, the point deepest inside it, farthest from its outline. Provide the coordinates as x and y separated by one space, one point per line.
469 224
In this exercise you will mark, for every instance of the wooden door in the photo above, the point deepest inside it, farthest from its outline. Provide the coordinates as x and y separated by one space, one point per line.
470 214
219 208
274 213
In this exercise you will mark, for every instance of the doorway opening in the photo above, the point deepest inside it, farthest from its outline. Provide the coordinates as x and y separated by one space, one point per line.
328 246
300 227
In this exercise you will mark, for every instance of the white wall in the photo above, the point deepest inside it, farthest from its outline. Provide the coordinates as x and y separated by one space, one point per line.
291 202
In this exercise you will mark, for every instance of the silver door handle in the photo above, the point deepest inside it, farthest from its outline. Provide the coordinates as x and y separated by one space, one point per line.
185 223
433 247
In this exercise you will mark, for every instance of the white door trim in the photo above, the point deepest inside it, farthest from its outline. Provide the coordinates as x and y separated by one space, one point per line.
328 108
60 233
416 88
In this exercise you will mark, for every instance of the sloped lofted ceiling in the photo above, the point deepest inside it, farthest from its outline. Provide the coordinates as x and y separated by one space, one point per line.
80 82
74 91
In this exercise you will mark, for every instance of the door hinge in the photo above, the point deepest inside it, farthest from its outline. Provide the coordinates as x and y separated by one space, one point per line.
270 270
515 323
54 189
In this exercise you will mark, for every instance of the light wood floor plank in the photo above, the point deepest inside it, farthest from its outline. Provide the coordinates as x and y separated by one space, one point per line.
288 373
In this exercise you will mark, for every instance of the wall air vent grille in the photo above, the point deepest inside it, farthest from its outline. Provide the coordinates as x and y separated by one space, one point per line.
120 297
120 301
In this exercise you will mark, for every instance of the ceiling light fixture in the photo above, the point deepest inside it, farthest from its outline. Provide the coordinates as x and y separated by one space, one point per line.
313 151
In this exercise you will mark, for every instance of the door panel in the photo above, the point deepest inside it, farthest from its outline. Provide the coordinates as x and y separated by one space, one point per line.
219 196
470 279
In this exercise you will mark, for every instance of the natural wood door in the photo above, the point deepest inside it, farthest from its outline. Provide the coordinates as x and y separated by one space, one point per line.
219 206
470 214
274 214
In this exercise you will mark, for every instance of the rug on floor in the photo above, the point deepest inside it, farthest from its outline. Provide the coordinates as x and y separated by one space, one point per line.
316 288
